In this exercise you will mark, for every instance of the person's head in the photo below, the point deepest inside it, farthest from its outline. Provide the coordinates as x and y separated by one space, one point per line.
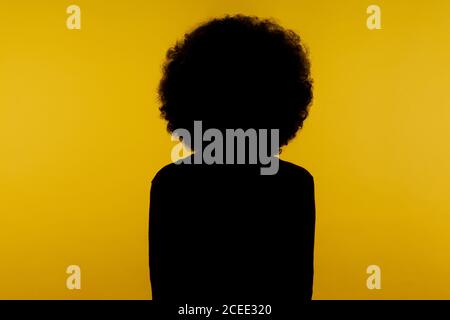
237 72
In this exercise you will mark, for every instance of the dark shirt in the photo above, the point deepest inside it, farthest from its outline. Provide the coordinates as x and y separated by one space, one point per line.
226 232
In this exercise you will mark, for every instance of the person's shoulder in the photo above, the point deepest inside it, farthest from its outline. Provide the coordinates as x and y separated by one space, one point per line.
171 171
290 169
174 171
165 172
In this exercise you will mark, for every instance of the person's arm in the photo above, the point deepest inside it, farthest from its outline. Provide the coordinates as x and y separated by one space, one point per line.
308 230
155 237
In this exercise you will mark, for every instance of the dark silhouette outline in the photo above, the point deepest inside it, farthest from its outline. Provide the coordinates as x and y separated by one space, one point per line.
225 232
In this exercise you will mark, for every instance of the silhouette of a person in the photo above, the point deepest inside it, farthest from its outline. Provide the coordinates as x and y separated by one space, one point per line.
225 232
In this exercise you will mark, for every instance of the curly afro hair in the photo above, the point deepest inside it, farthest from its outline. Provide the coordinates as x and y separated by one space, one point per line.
237 72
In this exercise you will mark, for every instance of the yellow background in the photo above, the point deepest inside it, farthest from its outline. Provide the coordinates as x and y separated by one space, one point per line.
80 140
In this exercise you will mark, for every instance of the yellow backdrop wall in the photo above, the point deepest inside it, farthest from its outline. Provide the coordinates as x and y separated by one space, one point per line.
80 140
